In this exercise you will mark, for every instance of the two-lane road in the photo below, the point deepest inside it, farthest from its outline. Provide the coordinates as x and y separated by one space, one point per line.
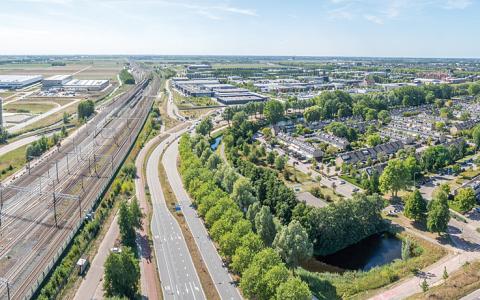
219 273
177 272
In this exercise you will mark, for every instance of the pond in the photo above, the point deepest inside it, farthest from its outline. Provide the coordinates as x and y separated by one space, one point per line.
376 250
216 142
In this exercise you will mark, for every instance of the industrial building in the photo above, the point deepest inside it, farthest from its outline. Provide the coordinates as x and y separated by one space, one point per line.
56 81
86 85
67 82
224 93
18 81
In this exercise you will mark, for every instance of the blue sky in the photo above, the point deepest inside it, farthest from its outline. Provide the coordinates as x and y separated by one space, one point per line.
407 28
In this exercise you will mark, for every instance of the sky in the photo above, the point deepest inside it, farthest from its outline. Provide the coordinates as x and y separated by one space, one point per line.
388 28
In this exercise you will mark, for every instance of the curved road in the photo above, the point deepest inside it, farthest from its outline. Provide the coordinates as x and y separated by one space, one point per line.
178 276
219 273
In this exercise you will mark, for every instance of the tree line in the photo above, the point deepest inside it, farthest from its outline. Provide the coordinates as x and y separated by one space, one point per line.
255 245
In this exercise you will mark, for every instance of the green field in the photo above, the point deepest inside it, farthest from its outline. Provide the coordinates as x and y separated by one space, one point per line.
12 161
29 107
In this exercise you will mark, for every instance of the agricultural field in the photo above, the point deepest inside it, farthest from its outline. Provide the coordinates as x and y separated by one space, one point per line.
81 69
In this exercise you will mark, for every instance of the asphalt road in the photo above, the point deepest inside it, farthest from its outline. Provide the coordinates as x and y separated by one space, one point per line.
219 273
17 144
177 272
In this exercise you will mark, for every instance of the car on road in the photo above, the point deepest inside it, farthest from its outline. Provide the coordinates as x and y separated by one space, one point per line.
356 190
342 181
116 250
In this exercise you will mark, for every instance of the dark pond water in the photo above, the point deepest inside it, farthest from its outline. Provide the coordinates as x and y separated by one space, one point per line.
215 144
376 250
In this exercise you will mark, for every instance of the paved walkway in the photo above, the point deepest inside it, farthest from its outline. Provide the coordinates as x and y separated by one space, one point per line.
92 285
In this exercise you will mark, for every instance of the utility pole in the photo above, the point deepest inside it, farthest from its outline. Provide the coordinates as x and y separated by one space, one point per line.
56 168
55 205
4 280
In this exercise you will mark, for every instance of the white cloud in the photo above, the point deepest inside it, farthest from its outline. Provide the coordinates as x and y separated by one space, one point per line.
457 4
374 19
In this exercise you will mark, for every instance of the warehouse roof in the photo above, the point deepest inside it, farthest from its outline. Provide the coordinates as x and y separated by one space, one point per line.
59 77
18 78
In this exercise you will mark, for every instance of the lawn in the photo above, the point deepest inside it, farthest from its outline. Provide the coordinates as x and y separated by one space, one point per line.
12 161
458 284
52 119
29 107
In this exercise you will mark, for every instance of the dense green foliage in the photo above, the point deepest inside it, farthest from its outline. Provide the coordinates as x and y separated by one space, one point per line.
85 109
37 148
3 135
438 212
274 111
122 274
204 127
129 219
415 206
261 268
466 199
126 77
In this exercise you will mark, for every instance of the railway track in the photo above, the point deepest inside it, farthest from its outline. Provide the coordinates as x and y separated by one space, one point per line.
29 269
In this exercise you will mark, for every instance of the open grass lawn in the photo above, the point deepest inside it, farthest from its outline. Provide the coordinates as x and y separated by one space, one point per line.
12 161
185 102
194 113
52 119
30 107
458 284
363 285
470 174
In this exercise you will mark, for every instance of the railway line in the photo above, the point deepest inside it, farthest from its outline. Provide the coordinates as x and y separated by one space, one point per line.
68 180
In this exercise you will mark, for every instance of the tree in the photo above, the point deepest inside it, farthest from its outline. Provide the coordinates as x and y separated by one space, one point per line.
293 244
250 244
466 199
374 140
293 289
476 136
280 162
85 109
3 135
252 283
66 117
253 211
122 274
438 212
406 248
205 126
424 285
136 213
312 114
126 224
274 111
384 116
415 206
394 177
243 193
265 226
271 158
273 279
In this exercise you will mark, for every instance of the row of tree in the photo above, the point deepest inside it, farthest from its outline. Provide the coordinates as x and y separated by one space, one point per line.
122 270
256 246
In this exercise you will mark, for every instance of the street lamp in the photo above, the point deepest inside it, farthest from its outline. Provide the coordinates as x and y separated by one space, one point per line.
8 286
